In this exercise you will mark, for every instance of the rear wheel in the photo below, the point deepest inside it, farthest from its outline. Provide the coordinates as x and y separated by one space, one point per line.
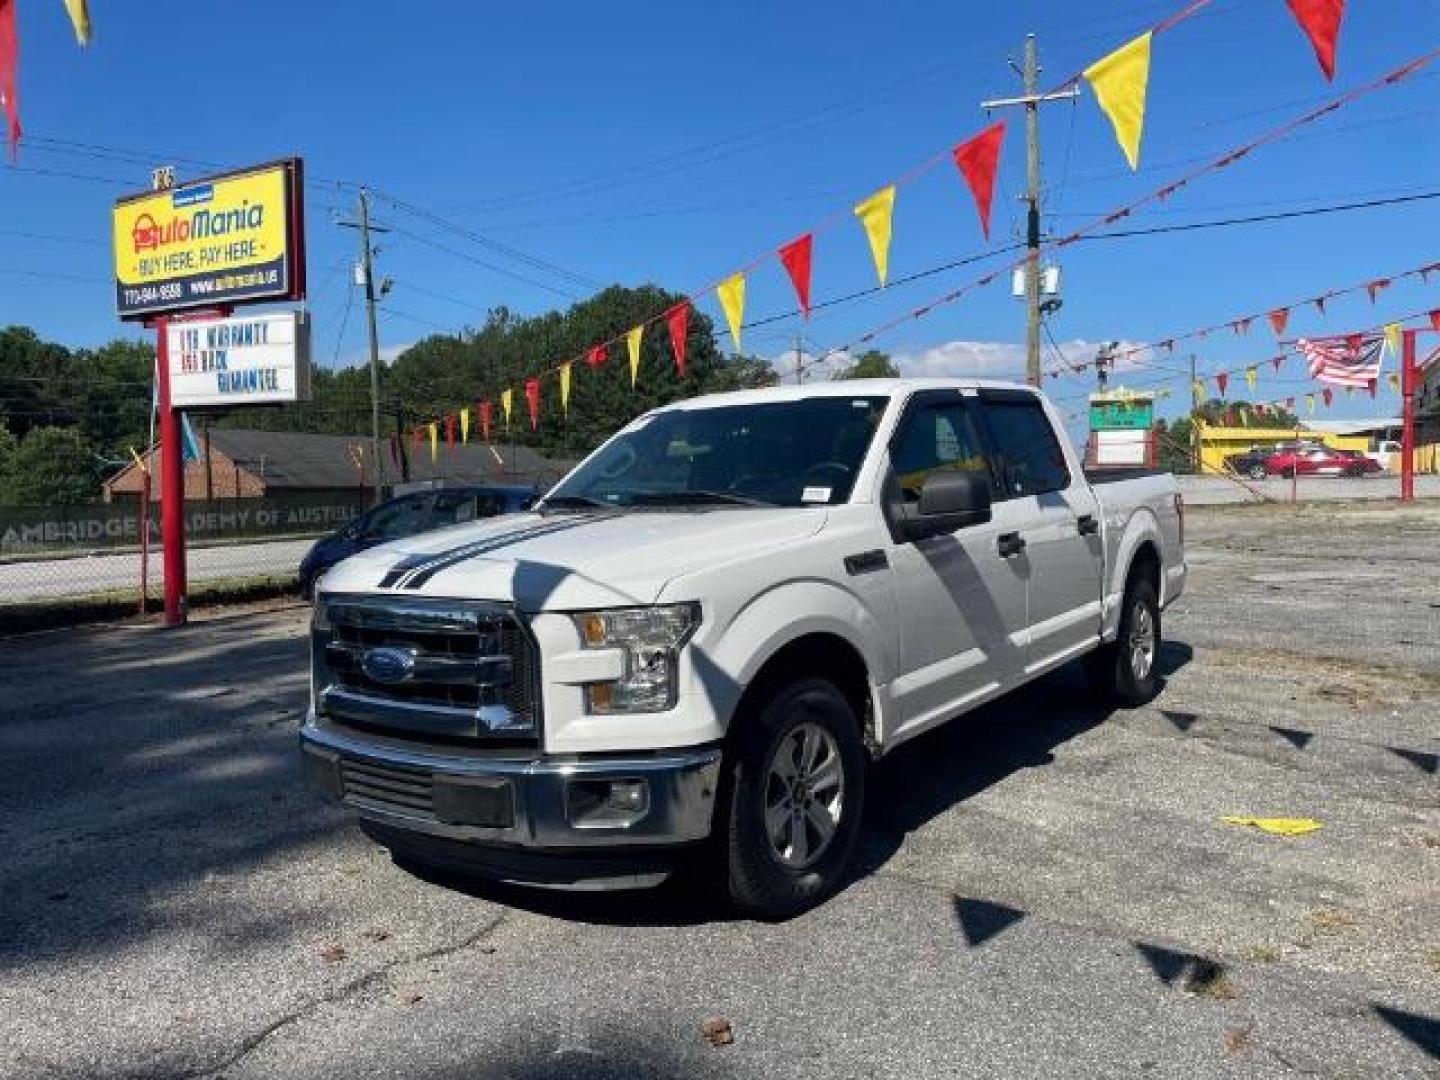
1257 471
1125 671
796 792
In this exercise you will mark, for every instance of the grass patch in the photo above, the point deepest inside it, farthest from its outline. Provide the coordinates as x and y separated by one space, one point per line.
123 604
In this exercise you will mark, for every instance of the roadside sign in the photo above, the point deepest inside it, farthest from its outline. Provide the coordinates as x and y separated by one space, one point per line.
229 363
231 239
1121 414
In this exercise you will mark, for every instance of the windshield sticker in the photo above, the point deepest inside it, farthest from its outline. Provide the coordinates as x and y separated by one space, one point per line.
815 495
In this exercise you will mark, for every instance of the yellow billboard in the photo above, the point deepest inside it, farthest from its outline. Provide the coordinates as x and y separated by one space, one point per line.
225 240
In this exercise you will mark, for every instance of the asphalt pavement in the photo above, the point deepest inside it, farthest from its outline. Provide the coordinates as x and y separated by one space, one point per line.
1046 889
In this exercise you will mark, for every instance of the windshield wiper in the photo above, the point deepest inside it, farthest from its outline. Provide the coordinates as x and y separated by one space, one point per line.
699 498
570 502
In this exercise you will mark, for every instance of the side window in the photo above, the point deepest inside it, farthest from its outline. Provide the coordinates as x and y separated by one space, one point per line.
935 437
453 509
1028 457
399 518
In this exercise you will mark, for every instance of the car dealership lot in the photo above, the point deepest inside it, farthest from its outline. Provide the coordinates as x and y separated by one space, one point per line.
1045 889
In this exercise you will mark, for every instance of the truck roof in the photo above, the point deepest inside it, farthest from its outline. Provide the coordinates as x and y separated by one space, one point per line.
839 388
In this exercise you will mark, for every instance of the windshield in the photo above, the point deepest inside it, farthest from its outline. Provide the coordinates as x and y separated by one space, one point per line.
781 453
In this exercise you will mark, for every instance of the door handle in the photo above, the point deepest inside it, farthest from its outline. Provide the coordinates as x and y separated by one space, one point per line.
1011 543
1087 525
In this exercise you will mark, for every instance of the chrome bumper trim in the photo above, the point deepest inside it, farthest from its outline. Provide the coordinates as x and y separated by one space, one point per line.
681 787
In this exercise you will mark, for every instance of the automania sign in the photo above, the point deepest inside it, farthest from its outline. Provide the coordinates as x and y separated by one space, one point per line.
237 238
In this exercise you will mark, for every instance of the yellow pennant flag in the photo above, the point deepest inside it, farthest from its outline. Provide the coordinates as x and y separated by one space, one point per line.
1392 338
464 425
632 342
1280 826
731 292
507 400
139 462
79 12
434 440
1392 380
565 388
1119 81
1310 404
874 213
1251 375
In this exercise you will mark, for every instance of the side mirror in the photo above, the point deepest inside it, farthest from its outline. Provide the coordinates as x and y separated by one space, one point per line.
949 500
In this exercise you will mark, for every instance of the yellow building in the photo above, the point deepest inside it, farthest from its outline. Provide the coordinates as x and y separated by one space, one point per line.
1218 443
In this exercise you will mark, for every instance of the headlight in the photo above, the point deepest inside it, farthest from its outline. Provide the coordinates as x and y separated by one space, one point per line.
650 640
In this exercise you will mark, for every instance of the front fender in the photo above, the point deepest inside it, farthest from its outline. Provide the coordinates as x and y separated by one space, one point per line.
1143 525
783 614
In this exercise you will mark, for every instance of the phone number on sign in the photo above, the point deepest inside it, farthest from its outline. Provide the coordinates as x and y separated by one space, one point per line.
149 294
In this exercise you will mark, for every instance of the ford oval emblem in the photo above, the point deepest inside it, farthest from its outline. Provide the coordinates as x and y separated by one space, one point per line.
388 665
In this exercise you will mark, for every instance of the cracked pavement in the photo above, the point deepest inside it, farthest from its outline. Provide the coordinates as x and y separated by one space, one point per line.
1043 889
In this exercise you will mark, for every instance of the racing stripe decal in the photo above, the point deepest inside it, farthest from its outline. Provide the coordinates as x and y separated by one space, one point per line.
413 571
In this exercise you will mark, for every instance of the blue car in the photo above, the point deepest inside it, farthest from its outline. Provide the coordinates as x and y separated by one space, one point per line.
406 515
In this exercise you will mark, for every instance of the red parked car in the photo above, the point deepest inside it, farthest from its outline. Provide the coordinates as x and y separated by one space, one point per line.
1319 461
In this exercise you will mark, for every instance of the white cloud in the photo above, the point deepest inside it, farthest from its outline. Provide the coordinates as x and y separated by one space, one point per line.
388 353
996 359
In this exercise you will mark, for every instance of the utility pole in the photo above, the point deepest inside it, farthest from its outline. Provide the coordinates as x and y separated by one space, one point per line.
366 270
1104 359
1194 418
799 363
1032 99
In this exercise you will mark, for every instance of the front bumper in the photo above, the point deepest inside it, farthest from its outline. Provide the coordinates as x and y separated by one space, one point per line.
523 803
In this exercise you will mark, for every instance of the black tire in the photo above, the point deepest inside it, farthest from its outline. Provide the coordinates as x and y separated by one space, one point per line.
1113 668
1257 472
755 876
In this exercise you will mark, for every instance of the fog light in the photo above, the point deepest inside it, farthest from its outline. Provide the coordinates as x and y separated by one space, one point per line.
598 804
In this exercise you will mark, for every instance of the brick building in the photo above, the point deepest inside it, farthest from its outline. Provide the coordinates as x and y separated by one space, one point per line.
240 463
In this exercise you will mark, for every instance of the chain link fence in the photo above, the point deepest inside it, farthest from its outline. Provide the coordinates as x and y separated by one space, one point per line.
68 554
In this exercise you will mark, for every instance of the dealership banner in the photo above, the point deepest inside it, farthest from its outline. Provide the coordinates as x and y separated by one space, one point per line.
225 363
231 239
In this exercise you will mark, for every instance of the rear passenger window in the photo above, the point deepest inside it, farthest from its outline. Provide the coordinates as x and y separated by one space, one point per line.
1028 458
935 437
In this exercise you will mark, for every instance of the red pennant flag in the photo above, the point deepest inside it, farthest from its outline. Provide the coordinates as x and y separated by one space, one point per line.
532 399
485 419
1277 361
1327 394
977 160
9 64
1319 303
449 430
1222 380
1279 318
1435 319
1168 345
1320 19
596 356
1376 287
1241 326
795 257
1373 383
678 318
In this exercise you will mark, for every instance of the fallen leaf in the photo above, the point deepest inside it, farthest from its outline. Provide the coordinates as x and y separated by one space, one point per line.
332 954
375 935
1236 1039
1279 826
412 999
718 1031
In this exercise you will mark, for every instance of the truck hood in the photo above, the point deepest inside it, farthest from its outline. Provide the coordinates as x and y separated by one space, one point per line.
570 561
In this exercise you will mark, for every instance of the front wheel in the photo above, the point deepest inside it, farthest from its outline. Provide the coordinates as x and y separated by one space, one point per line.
796 793
1125 670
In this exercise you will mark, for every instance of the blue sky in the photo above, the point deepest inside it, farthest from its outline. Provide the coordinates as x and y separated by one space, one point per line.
673 143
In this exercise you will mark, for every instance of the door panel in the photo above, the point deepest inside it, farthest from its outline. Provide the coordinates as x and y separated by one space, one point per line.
961 605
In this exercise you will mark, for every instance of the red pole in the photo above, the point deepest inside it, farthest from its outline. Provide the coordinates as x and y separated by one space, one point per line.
1407 433
172 485
144 538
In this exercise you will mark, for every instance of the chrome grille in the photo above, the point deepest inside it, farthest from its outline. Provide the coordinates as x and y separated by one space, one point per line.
442 668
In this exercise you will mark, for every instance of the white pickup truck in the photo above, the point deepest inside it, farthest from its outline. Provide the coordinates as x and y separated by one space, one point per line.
695 643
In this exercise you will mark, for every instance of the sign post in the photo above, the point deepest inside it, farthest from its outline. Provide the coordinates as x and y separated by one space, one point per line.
1408 378
236 238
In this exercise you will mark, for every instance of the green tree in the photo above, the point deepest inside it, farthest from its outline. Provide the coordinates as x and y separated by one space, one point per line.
872 364
53 466
9 448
